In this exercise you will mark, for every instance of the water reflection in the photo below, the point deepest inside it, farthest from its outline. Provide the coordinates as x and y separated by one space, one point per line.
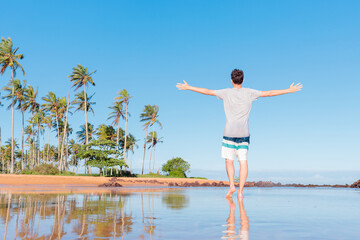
175 200
82 216
230 232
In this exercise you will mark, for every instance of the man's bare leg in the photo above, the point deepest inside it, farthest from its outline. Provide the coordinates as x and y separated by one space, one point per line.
243 175
230 172
230 231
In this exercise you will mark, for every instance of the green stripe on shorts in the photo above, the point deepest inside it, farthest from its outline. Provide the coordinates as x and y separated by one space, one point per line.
235 147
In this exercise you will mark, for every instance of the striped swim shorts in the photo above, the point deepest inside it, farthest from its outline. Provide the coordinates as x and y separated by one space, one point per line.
232 146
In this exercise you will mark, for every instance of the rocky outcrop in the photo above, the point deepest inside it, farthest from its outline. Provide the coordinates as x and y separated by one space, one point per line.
356 184
116 182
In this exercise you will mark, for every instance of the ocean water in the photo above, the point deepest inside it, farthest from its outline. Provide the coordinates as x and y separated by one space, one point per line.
182 213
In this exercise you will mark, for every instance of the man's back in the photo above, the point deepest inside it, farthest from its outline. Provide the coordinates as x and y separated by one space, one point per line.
237 106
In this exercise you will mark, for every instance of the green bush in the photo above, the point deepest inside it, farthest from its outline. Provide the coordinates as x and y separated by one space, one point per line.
43 169
176 167
67 174
198 178
177 174
89 175
152 175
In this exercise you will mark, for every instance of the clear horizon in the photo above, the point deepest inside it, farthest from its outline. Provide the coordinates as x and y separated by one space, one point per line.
148 47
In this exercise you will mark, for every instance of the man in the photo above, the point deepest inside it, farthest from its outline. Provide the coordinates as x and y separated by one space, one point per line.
237 106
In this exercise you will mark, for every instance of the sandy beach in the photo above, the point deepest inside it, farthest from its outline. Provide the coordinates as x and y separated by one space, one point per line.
14 179
48 183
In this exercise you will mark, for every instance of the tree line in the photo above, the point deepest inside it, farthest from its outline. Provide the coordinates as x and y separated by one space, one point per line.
104 146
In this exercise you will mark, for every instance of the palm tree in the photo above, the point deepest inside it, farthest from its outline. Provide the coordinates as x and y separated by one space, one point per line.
81 77
74 150
80 102
81 135
124 97
30 99
29 131
105 132
150 116
131 144
52 105
145 117
153 119
48 122
153 139
31 103
22 96
65 132
9 59
19 99
116 114
37 120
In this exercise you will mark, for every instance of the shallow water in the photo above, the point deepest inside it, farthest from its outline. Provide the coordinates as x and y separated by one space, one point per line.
183 213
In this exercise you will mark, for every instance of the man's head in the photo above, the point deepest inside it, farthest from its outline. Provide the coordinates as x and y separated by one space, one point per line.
237 76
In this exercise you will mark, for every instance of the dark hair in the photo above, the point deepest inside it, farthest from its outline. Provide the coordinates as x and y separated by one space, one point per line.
237 76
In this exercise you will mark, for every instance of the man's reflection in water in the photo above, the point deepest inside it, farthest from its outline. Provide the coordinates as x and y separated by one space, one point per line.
244 222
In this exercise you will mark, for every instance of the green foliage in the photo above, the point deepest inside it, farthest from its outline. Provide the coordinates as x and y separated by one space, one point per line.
43 169
151 175
89 175
67 173
176 167
8 56
106 132
198 178
101 154
177 174
81 76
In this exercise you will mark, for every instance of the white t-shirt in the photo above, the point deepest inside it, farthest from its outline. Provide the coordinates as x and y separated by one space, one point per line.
237 106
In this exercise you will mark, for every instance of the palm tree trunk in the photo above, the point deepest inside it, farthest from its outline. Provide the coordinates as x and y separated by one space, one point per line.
154 161
86 125
43 152
22 143
126 105
117 138
117 134
12 123
142 170
48 150
38 144
3 164
131 162
58 130
65 128
33 153
67 151
152 144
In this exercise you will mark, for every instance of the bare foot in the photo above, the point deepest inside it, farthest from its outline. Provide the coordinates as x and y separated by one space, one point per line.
230 192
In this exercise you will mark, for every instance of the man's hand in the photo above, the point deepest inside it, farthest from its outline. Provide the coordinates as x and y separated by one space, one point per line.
186 86
183 86
295 88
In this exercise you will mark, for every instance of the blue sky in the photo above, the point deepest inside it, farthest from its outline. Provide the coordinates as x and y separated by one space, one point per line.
147 47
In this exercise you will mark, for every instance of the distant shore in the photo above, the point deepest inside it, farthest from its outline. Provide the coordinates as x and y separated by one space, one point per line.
90 181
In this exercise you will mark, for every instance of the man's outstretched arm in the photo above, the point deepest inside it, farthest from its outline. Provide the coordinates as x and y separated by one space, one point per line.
293 88
186 86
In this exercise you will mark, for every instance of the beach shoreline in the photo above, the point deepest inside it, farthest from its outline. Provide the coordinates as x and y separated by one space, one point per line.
21 181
